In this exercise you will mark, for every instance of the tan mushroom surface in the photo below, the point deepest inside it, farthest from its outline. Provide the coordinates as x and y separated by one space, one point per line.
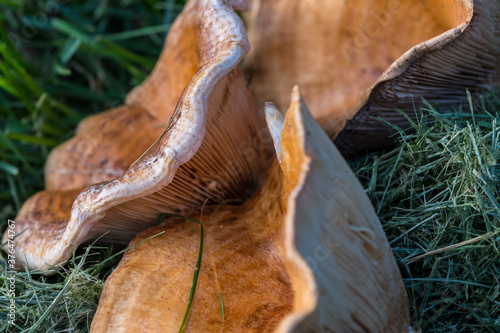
210 150
356 60
305 253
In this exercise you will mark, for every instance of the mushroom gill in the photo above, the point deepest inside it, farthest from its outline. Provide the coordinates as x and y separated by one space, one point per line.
106 144
306 253
210 150
359 60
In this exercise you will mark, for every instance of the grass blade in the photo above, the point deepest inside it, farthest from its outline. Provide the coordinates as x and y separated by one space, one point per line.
196 269
221 306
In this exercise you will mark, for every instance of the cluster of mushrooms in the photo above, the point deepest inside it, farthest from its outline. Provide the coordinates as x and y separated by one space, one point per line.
305 251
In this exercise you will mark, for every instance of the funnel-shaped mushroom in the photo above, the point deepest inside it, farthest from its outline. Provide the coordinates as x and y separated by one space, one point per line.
356 60
306 254
209 151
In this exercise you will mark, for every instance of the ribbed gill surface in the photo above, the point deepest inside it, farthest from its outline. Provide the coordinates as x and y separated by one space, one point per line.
228 165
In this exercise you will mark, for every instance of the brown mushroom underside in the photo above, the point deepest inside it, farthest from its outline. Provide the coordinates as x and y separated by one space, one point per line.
305 253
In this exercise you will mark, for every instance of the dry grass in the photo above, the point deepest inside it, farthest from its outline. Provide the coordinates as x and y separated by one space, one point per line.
437 194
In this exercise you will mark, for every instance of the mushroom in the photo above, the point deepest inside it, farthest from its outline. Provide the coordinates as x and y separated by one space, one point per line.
305 253
315 241
210 150
359 60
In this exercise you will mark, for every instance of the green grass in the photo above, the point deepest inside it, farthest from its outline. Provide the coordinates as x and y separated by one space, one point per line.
437 195
437 192
64 301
